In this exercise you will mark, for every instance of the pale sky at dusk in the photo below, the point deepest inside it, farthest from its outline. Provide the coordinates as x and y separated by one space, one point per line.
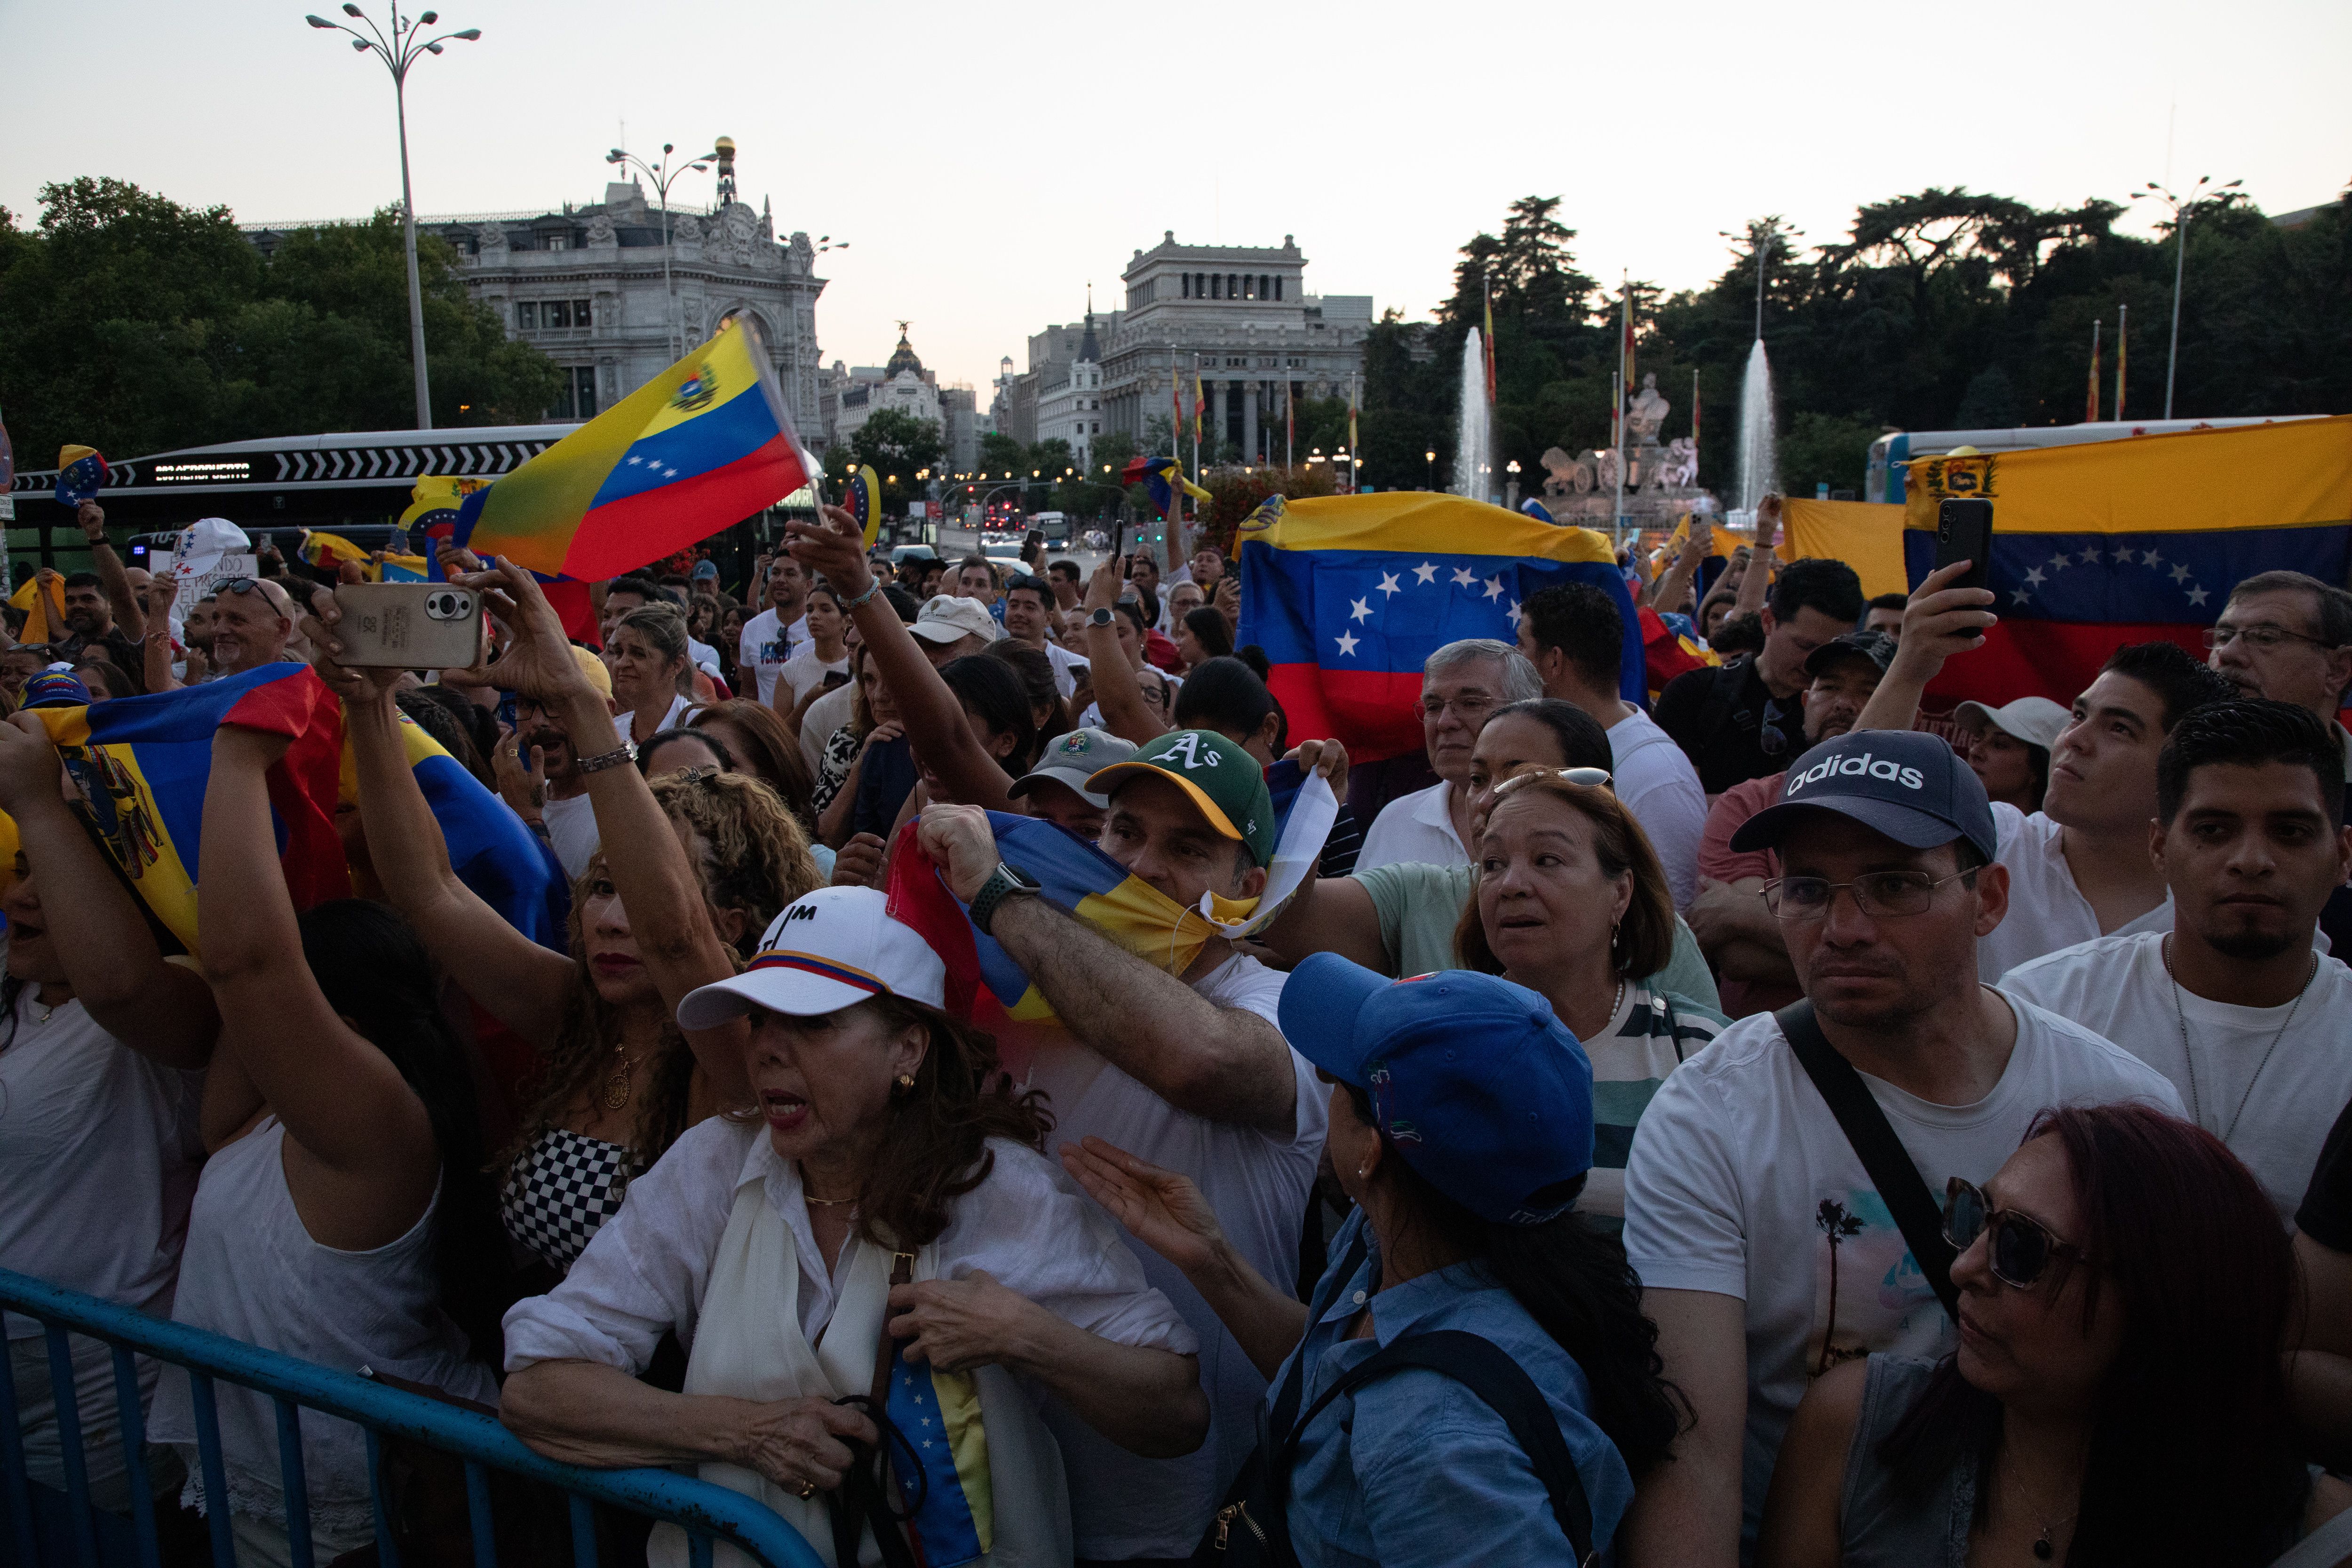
986 160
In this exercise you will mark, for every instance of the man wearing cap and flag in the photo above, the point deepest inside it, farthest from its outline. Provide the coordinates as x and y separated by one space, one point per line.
1190 1072
1782 1195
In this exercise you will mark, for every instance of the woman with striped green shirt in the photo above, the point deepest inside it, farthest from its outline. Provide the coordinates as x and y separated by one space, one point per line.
1571 902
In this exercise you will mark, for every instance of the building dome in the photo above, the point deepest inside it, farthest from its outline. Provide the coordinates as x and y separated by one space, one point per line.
903 357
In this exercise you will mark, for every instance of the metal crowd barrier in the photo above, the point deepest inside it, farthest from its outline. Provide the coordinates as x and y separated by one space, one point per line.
705 1511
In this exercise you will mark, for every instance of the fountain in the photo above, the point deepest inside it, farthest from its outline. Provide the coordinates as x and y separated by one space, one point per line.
1473 454
1661 477
1758 454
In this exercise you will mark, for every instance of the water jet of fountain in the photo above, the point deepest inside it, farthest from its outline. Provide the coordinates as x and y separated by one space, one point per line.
1474 460
1759 470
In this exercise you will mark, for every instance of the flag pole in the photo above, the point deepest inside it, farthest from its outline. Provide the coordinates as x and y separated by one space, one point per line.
1617 518
2091 414
2122 349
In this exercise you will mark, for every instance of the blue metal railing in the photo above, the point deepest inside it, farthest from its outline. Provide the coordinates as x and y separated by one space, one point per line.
705 1511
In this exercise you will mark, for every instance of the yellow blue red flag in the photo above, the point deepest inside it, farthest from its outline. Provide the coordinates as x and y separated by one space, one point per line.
1162 477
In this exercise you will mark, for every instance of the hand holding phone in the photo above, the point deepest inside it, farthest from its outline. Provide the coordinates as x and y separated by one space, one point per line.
1964 533
408 625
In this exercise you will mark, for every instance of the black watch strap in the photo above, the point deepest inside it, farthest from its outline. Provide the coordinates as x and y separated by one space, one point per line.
1004 882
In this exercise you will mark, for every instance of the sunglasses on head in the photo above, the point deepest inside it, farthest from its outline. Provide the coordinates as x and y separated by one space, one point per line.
1592 778
2018 1247
240 585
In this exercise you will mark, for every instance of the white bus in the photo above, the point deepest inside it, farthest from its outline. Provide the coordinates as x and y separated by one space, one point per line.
1891 451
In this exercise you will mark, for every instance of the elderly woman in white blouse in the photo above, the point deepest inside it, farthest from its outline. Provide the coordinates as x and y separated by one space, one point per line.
890 1172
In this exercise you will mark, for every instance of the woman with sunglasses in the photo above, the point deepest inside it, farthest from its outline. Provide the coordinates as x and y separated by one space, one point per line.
1571 903
2117 1394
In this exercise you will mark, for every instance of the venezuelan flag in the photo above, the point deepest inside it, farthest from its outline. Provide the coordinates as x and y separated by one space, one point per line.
955 1522
1666 653
1348 595
703 445
329 551
45 613
1163 476
2122 542
407 569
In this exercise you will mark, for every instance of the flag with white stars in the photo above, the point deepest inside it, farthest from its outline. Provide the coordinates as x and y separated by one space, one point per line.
1348 595
938 1416
2110 542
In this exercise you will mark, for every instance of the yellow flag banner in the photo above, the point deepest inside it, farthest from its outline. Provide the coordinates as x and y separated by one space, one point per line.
1865 535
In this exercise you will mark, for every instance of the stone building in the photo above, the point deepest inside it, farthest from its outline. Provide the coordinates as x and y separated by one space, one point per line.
850 395
585 285
1070 392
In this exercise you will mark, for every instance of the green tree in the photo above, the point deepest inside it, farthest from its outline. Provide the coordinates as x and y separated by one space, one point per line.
1000 454
896 446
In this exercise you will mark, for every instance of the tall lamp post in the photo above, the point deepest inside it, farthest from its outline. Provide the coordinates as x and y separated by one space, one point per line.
2181 207
1760 237
662 174
399 52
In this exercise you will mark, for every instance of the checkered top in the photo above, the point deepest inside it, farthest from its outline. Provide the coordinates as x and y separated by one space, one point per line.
562 1189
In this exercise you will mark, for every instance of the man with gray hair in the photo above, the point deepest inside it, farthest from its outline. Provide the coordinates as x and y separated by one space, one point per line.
1461 684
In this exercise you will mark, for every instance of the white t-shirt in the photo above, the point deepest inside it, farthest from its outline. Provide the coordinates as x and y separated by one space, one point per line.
2046 910
804 671
1123 1506
826 714
572 829
99 1152
1738 1166
1064 661
2273 1114
1656 783
1415 829
703 657
767 647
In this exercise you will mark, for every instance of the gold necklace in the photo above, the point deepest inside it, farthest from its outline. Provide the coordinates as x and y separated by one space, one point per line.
618 1087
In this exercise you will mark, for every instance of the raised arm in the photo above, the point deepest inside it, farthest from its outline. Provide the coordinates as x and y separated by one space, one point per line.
1224 1063
1938 621
670 913
1125 711
366 1147
932 714
1328 914
128 613
162 1011
1759 579
155 647
1667 592
523 984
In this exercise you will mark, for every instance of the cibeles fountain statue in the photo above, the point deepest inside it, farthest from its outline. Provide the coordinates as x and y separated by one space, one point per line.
1661 479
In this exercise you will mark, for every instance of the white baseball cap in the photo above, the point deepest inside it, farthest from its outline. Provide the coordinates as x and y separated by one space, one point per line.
946 618
2036 721
829 949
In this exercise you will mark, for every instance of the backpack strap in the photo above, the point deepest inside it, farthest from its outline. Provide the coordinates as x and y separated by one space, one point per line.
1722 704
1487 1371
1889 1165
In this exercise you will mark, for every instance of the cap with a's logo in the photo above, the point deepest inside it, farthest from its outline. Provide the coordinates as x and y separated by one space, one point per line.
1904 784
1072 761
1221 779
829 949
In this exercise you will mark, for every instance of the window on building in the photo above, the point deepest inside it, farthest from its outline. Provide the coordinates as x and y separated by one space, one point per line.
559 242
1277 287
1216 286
1233 284
555 313
1184 286
527 314
579 312
583 381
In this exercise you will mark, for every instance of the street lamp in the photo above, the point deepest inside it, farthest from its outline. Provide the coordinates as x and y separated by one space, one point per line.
1760 239
2181 206
1429 479
398 53
662 175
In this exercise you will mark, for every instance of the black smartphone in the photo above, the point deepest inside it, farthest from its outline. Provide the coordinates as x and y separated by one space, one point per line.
1117 539
1964 533
833 678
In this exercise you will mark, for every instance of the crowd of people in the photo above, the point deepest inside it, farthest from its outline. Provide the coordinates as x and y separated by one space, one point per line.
1765 1126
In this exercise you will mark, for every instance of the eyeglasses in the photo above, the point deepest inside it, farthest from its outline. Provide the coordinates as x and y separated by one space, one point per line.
1877 893
1470 708
2261 635
2021 1246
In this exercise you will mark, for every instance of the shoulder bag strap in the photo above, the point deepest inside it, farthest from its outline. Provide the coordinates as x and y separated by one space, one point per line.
864 1499
1488 1372
1889 1165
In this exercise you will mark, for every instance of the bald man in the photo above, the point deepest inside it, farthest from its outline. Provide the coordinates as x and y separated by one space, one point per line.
253 620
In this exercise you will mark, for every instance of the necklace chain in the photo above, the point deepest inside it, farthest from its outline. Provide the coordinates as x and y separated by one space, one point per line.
2180 1016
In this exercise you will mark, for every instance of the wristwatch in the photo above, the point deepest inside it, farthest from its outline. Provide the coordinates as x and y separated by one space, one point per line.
1004 882
1099 618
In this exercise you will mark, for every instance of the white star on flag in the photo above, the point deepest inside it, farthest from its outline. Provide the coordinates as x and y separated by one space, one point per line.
2181 574
1360 611
1426 573
2150 556
2020 595
2197 595
1347 641
2092 554
633 461
1464 577
2034 579
2059 562
1387 583
669 473
1495 587
1514 614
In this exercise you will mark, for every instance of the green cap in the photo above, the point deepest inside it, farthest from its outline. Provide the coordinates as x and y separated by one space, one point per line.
1221 779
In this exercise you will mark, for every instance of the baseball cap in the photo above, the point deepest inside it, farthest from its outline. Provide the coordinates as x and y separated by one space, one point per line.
56 687
706 569
1221 779
1904 784
946 618
1875 647
2036 721
1073 760
593 669
1477 1084
829 949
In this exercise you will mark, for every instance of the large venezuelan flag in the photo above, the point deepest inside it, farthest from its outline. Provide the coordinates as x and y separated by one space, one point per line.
1348 595
702 445
141 763
2123 541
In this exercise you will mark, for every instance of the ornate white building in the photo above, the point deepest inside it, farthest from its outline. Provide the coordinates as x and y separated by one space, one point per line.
1070 397
585 284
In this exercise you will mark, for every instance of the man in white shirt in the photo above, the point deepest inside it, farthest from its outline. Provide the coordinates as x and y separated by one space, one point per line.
1027 603
1766 1252
2232 1004
2078 867
1189 1073
1461 684
1575 636
776 633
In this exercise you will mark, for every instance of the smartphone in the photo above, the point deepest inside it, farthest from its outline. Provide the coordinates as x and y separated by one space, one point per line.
1117 539
1964 533
833 678
409 625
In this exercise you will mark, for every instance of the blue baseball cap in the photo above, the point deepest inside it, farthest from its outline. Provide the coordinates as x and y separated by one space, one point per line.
1481 1089
1904 784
